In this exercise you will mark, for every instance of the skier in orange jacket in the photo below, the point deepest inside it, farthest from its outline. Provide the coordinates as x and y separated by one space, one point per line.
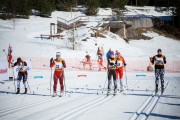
119 69
58 72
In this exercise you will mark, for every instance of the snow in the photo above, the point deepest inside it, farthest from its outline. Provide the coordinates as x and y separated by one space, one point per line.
105 11
84 99
146 10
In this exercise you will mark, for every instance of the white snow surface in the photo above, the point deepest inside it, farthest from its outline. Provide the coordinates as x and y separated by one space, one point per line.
85 97
146 10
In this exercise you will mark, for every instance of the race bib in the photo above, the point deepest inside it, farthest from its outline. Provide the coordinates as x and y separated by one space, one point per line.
159 61
22 68
119 63
59 65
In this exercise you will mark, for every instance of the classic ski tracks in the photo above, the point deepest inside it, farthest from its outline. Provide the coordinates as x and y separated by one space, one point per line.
78 110
82 108
9 97
68 115
24 106
147 107
28 105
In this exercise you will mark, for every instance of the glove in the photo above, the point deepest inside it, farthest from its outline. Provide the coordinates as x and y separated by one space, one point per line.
51 59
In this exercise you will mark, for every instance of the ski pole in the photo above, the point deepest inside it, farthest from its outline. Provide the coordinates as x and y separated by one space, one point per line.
126 77
14 80
5 54
104 85
50 80
105 81
28 83
29 87
64 83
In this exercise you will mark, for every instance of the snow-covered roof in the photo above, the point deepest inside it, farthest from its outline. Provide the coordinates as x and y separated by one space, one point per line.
146 10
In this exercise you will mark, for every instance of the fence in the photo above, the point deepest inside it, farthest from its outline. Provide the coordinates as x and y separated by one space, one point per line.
138 64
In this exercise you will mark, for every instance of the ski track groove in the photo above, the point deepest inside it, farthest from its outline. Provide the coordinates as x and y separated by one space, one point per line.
7 97
28 105
21 107
68 115
78 110
13 95
150 104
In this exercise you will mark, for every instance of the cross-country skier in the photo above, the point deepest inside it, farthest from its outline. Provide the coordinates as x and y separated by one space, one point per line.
108 54
159 60
9 60
112 72
116 53
22 67
58 72
100 60
87 61
119 69
9 57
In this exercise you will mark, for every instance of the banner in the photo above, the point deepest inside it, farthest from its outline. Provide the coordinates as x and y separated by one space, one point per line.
28 67
3 70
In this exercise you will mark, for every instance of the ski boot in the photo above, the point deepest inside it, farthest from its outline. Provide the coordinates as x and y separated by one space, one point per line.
162 89
61 93
18 91
115 91
156 89
108 92
54 94
118 89
121 89
25 92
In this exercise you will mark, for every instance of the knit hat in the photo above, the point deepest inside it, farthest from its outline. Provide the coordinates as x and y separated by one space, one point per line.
58 54
118 54
19 59
112 53
159 50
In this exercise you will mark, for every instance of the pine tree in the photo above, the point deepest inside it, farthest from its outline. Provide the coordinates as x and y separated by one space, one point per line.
138 2
118 7
105 3
45 7
92 7
173 5
81 2
66 5
23 9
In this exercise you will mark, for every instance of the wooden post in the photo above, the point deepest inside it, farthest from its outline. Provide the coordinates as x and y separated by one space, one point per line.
50 30
125 31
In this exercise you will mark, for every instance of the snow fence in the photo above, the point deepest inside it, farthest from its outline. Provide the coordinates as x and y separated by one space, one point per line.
139 64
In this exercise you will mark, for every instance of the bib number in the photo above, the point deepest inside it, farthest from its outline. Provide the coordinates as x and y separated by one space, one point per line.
59 66
119 64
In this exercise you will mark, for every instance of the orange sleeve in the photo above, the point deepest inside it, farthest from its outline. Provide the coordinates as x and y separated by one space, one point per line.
124 60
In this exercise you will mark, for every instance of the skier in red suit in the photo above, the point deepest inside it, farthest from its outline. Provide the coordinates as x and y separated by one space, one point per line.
59 64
